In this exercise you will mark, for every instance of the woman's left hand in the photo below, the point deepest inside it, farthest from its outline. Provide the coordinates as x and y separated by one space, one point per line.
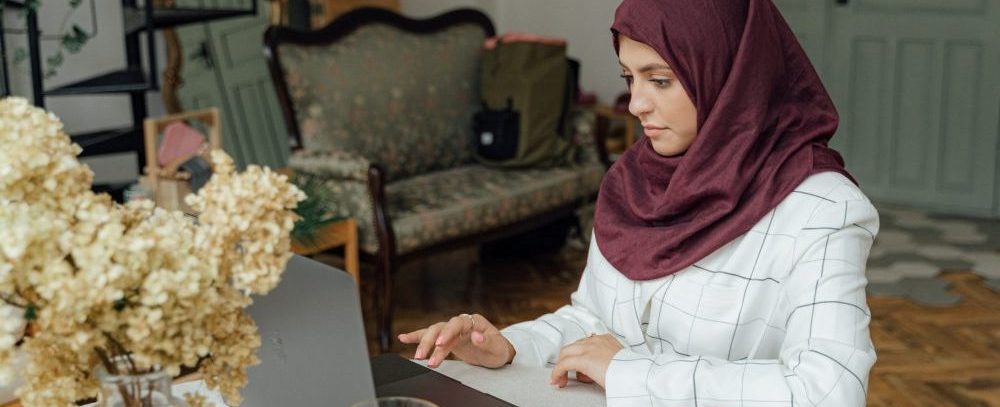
588 357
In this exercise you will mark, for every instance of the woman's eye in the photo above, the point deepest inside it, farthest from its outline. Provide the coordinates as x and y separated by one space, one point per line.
627 78
662 83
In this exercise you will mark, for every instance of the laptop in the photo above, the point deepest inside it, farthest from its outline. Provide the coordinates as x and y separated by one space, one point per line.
314 353
313 350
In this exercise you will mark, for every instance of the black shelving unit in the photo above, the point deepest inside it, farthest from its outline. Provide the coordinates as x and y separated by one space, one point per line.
134 79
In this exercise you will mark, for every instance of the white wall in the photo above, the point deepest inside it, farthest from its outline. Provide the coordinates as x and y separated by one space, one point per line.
428 8
584 23
105 52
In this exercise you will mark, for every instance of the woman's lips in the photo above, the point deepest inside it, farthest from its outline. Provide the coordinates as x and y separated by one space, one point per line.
653 131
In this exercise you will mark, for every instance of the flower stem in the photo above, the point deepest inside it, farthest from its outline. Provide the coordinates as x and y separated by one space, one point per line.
112 368
131 396
11 302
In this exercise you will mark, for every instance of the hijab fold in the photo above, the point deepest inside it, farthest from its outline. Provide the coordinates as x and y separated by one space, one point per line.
764 121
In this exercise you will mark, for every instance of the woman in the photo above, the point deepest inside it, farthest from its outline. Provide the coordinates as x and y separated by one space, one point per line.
729 249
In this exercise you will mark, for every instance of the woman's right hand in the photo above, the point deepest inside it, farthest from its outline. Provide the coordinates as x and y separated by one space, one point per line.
471 338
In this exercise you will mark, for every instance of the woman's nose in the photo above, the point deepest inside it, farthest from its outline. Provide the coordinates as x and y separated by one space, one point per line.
639 105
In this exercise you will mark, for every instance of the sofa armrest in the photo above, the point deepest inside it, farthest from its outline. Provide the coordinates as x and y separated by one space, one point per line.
329 164
344 186
589 143
345 198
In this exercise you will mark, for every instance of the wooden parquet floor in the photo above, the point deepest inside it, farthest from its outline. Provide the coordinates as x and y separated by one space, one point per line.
927 356
937 356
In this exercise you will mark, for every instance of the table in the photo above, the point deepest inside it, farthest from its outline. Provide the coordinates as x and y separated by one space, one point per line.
524 386
339 233
343 232
193 386
187 384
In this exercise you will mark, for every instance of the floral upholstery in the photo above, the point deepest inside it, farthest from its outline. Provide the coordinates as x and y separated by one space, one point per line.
389 96
334 164
441 205
584 122
404 101
347 198
462 201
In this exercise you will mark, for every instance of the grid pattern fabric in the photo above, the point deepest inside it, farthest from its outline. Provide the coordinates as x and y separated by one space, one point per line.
776 317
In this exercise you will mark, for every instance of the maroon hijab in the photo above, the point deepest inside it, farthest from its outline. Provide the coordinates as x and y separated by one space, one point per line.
764 120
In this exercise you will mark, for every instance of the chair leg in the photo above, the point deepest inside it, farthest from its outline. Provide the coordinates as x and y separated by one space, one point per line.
383 302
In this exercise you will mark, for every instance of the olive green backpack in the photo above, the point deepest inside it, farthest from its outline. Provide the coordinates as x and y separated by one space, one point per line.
527 88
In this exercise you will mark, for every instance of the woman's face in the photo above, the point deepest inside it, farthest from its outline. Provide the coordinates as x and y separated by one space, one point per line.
668 116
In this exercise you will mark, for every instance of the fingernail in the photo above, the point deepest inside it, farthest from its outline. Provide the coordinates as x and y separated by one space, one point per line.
419 355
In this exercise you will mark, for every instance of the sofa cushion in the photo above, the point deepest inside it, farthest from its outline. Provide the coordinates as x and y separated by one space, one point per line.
443 205
437 198
400 99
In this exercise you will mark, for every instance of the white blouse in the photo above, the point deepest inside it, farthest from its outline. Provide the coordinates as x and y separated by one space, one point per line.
776 317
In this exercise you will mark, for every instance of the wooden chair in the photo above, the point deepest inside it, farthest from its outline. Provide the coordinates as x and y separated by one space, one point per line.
166 181
341 233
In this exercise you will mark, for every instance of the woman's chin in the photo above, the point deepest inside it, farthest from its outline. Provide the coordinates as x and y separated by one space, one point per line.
667 149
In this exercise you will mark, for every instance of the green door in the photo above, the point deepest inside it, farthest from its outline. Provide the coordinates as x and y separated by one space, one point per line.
224 66
808 19
916 85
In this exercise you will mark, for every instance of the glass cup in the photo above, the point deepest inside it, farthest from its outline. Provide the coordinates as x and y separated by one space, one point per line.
396 402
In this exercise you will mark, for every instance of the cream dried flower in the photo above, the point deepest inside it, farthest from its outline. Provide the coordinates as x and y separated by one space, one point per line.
195 400
37 162
11 329
86 273
252 212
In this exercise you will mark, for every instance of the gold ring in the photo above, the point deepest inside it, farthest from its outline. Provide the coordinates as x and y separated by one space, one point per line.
471 319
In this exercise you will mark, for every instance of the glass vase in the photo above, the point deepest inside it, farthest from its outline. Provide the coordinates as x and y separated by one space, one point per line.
151 389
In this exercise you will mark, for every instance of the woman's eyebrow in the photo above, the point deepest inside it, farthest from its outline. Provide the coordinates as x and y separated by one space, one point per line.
654 67
650 67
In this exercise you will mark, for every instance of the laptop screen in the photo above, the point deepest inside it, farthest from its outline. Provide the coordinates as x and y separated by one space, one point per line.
313 349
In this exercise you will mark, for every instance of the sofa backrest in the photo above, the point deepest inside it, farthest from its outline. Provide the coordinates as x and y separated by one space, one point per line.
396 91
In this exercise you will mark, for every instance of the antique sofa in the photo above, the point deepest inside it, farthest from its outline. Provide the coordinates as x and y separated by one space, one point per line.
378 108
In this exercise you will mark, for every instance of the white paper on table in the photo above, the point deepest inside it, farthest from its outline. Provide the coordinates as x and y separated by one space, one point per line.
523 386
194 386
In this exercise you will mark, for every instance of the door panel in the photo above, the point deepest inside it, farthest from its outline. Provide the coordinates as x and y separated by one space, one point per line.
912 135
959 111
808 20
918 109
201 86
234 77
248 88
866 108
972 7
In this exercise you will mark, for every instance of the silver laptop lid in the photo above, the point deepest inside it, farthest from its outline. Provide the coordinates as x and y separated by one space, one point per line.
313 349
